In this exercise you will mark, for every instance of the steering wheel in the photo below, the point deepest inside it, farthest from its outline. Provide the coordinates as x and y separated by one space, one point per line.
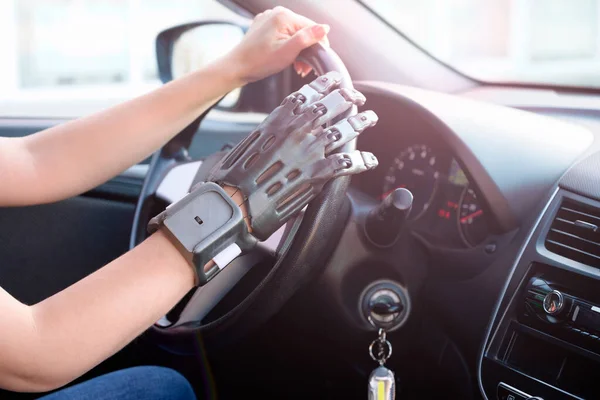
302 247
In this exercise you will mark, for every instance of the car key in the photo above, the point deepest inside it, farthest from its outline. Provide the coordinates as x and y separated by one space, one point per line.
382 382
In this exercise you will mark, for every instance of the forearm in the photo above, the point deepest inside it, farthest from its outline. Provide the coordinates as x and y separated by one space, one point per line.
77 156
51 343
74 330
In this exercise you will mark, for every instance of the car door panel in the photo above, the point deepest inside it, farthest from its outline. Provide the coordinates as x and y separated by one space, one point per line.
44 249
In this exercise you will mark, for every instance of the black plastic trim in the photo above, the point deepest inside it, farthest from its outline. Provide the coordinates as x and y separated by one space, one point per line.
532 251
505 290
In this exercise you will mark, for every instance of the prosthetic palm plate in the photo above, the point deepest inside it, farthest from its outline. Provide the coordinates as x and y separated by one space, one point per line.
285 162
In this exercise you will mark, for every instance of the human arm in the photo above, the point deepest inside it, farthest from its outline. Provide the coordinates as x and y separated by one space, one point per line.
48 344
72 158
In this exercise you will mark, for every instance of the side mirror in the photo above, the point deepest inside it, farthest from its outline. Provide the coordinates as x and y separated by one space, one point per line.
186 48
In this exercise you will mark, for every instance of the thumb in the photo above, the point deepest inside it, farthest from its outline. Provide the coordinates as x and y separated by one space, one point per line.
306 37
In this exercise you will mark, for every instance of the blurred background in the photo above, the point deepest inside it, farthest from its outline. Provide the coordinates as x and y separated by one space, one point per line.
65 58
539 41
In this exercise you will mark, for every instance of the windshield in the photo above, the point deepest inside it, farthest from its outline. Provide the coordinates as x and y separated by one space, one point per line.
532 41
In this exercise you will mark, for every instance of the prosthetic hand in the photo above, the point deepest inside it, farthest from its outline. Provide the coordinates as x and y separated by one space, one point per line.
279 168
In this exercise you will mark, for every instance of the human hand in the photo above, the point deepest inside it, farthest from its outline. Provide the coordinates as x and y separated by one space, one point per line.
286 161
273 42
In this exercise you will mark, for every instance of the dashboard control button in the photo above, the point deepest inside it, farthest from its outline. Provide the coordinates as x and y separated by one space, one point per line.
490 248
554 302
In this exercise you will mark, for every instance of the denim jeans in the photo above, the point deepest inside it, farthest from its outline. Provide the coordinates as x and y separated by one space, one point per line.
152 383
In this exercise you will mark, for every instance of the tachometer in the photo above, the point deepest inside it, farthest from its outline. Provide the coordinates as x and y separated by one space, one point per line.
472 223
414 169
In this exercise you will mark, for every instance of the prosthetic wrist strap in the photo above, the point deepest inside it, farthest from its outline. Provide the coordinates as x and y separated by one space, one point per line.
207 223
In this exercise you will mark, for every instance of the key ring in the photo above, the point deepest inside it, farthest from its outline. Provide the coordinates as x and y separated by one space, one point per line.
385 357
382 355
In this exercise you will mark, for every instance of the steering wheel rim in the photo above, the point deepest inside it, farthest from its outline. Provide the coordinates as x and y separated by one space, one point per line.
301 258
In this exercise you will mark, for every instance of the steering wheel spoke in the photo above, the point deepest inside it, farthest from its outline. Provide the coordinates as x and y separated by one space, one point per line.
205 298
177 181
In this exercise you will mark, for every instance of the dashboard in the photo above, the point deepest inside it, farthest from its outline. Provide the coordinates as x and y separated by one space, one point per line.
480 175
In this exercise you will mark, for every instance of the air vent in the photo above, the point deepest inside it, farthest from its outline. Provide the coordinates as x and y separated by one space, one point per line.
575 233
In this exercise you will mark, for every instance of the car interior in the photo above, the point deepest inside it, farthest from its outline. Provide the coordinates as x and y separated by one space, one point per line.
485 280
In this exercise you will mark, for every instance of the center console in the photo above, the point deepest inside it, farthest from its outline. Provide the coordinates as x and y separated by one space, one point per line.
544 340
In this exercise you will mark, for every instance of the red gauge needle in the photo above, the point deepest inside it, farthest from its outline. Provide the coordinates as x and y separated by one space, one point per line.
471 216
386 194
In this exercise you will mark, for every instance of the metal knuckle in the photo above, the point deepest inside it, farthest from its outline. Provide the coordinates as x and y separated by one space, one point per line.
309 93
333 135
338 134
334 100
342 161
319 108
297 98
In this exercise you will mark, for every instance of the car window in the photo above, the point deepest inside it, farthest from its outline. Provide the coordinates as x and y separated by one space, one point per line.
67 58
543 41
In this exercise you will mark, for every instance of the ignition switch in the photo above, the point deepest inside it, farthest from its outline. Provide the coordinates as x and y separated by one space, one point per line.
385 304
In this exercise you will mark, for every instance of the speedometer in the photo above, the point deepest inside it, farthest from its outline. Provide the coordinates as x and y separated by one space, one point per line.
414 169
471 221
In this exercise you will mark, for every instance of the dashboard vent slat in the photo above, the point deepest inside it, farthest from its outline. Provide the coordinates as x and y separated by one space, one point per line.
572 234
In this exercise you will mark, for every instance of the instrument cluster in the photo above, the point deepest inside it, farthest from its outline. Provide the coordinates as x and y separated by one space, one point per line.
447 209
